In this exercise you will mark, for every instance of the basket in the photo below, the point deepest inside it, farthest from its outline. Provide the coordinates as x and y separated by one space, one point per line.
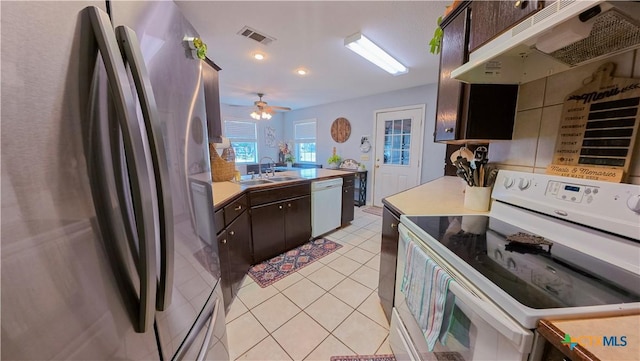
222 170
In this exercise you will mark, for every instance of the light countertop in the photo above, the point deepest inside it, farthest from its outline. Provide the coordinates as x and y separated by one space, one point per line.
223 191
444 195
589 335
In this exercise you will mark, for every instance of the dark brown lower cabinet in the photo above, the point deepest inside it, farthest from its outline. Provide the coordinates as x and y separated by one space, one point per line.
297 222
267 225
388 259
234 245
280 226
347 205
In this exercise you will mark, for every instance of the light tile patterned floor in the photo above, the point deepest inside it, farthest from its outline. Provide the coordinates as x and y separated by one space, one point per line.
328 308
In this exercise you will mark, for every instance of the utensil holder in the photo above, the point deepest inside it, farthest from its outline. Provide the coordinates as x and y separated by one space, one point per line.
477 198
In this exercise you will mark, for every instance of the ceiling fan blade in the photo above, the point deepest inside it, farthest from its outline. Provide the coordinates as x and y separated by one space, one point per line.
286 109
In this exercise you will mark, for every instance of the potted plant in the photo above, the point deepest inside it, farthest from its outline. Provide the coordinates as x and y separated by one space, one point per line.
289 159
436 42
287 152
334 160
197 46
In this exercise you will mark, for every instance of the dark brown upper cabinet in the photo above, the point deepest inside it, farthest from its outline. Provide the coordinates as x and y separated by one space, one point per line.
212 100
469 113
492 18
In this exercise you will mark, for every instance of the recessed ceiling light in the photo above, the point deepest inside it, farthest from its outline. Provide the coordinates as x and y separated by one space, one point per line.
258 56
301 71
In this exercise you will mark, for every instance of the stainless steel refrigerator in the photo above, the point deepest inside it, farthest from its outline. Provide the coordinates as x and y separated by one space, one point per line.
108 242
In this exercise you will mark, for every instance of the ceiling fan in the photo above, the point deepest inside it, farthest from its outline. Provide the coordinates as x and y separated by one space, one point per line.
263 110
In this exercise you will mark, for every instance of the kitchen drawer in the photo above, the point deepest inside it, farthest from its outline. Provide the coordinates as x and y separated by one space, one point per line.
270 195
218 220
348 181
234 209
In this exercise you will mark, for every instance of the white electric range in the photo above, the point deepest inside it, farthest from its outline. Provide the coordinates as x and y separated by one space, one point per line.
584 262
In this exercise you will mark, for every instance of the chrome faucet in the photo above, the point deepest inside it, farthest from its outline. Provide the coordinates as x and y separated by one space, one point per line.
273 171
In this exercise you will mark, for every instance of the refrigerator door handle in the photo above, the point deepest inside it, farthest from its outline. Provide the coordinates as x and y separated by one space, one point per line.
208 313
141 188
207 338
130 48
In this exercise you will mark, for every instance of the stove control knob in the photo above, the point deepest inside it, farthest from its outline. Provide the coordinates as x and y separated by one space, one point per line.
508 182
634 203
524 184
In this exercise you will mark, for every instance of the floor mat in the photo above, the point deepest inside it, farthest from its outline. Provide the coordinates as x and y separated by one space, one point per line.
373 210
364 358
278 267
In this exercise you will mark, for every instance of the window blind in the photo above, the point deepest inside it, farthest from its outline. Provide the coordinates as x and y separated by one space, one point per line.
305 130
240 130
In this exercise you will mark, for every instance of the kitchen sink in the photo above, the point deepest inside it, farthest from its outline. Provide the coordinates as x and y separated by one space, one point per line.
283 178
254 182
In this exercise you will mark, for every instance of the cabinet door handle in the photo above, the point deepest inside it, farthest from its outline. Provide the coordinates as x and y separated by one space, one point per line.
448 130
232 233
289 205
237 208
393 225
280 207
224 241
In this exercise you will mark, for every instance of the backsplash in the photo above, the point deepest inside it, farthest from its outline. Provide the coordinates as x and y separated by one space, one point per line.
538 117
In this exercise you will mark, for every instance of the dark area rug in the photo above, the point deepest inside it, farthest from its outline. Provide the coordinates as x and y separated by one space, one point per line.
278 267
364 358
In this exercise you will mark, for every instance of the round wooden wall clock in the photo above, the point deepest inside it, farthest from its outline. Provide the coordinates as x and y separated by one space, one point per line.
340 130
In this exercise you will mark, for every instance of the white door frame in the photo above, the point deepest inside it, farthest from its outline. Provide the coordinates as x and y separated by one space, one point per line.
422 108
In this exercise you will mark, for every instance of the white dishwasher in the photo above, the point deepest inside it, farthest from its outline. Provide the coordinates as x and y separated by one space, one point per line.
326 206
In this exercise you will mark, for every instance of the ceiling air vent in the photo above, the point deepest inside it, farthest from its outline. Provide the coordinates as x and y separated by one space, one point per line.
253 34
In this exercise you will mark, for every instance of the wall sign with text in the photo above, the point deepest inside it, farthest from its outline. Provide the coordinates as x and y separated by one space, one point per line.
598 128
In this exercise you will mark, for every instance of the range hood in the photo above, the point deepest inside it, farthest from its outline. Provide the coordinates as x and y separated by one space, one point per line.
562 35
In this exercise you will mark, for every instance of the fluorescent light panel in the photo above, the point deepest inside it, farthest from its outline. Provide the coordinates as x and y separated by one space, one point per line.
364 47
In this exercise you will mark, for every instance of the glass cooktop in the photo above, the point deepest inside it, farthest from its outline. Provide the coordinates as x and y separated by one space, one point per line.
536 271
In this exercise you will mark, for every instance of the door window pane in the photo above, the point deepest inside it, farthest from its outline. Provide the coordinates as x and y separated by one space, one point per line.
397 142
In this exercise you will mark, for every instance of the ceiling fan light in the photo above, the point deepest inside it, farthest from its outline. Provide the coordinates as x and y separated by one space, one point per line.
266 115
255 115
364 47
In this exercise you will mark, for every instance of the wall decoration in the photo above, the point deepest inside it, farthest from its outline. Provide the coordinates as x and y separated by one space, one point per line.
598 128
270 136
365 145
340 130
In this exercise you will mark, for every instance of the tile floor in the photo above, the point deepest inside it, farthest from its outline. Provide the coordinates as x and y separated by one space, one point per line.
328 308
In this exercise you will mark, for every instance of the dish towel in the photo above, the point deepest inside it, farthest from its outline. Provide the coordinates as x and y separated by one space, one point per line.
426 289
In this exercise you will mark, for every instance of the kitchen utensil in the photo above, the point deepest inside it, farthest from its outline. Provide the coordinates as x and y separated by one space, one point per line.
480 154
463 152
462 174
491 177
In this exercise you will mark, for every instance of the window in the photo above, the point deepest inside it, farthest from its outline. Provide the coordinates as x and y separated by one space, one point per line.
397 141
305 138
244 140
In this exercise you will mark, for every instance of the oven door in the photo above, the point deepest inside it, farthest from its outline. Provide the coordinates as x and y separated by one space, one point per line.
477 329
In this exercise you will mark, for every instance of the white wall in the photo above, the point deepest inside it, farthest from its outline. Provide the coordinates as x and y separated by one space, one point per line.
242 113
361 114
539 113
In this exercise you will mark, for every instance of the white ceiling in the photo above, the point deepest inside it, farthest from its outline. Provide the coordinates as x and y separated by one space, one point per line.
311 34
